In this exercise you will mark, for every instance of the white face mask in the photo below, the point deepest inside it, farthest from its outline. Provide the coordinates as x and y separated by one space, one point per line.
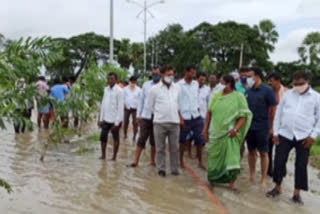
222 87
168 79
301 89
250 82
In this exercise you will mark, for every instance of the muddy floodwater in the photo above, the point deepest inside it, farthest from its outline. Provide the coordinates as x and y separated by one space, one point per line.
73 182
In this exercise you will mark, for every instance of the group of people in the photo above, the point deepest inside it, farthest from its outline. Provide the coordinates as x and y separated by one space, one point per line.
230 112
59 91
240 108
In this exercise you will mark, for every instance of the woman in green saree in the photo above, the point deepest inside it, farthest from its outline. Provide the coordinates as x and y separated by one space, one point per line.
227 124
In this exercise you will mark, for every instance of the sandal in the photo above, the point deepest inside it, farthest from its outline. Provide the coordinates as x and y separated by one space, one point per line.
273 193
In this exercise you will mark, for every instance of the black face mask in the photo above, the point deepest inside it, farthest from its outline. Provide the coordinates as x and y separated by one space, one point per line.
156 78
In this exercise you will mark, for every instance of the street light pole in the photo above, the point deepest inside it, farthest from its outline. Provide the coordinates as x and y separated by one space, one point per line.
111 45
145 9
145 38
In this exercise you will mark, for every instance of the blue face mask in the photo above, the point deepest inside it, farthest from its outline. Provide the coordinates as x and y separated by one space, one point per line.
243 80
156 78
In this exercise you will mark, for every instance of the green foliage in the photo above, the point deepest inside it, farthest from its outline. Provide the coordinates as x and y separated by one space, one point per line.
94 137
207 66
221 43
5 185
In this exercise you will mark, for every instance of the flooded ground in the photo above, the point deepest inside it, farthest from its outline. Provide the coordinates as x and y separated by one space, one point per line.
68 182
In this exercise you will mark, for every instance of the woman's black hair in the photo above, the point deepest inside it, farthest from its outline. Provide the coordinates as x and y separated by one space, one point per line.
228 79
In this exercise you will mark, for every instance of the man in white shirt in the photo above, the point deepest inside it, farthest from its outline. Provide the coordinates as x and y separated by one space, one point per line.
144 120
189 110
131 102
214 88
204 92
111 115
163 103
296 125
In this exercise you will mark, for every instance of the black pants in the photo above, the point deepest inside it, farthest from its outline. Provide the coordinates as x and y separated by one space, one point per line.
106 128
20 126
301 164
127 113
146 132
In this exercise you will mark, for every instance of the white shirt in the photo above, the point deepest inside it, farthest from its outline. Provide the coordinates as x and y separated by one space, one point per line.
204 92
189 99
213 92
143 111
163 103
131 97
112 106
298 116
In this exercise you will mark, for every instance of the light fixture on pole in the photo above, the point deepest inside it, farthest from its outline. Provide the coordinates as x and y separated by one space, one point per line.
111 45
145 10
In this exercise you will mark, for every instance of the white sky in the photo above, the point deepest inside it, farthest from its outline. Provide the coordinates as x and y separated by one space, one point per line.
293 18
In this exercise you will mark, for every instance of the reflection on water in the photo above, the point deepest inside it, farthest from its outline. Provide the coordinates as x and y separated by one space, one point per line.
69 183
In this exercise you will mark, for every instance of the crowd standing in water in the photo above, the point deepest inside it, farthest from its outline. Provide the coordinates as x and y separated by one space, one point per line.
237 110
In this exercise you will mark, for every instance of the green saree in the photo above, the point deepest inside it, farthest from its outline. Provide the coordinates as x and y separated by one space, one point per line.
224 151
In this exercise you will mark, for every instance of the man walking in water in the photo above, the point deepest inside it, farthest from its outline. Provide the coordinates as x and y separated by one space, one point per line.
296 125
144 119
163 103
261 101
131 101
189 110
111 115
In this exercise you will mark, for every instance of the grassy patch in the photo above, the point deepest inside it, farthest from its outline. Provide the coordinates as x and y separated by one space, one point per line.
94 138
83 150
315 154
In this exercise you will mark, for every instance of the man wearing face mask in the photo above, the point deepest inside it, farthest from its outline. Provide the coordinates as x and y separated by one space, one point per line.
261 100
131 101
189 109
163 103
243 77
296 125
144 119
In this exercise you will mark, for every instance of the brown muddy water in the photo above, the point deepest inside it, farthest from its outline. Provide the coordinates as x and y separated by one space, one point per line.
68 182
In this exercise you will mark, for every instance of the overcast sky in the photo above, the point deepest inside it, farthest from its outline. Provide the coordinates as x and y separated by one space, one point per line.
293 18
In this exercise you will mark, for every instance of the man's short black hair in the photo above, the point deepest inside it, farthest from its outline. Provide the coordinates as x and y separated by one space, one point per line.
72 79
190 67
201 74
165 68
113 74
65 79
133 79
257 72
155 67
302 75
275 76
244 70
42 78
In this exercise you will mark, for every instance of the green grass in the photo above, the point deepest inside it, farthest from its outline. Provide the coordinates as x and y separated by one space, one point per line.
94 138
315 154
317 88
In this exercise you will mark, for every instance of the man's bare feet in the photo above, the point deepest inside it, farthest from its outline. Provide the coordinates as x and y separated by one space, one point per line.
263 184
102 158
113 159
252 179
133 165
153 164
